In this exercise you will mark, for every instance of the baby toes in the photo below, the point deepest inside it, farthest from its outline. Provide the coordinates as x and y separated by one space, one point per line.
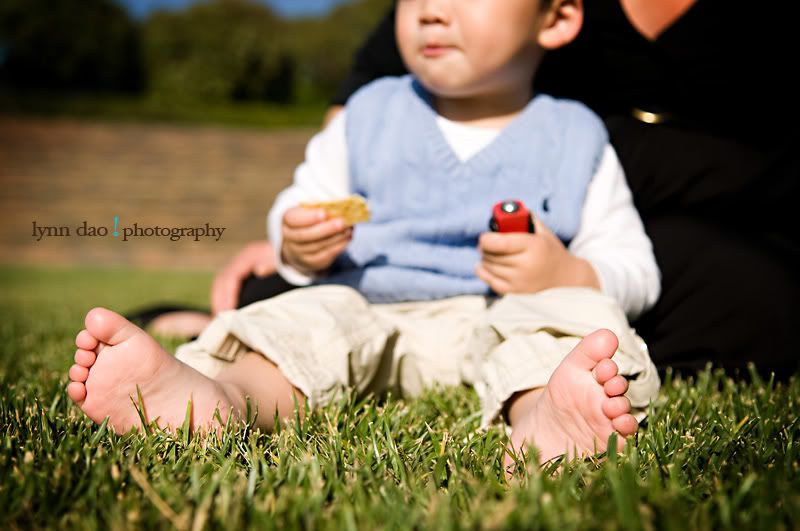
625 424
605 370
78 373
615 406
616 386
85 340
85 358
76 392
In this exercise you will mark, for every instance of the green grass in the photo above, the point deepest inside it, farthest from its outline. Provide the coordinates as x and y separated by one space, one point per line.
715 454
140 109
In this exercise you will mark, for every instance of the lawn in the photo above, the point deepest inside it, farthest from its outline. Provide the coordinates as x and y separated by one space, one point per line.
110 107
715 453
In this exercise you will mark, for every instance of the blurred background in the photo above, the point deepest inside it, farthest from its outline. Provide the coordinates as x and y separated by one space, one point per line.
169 113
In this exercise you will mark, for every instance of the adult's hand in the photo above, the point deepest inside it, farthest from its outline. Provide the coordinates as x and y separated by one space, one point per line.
256 258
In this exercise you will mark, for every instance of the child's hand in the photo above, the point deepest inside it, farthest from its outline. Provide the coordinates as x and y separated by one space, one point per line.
311 241
519 262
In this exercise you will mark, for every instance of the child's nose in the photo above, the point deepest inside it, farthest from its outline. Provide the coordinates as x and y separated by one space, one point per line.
434 12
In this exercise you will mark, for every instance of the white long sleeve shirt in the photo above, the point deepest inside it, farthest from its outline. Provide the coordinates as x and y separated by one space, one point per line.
611 235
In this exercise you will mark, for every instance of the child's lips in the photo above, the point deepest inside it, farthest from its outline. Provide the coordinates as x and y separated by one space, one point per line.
436 50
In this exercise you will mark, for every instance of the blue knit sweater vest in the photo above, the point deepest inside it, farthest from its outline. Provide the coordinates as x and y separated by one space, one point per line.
428 207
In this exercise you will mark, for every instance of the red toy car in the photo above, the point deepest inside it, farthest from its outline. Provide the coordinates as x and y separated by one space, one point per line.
511 216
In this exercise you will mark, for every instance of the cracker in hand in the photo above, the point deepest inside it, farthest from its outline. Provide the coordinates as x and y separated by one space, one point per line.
351 209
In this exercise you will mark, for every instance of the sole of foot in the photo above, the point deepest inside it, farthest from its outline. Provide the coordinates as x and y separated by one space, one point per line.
116 361
581 406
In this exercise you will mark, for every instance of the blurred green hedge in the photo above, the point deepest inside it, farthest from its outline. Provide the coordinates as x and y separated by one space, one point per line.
212 52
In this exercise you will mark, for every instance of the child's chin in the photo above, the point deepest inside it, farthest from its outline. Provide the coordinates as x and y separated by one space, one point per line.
447 88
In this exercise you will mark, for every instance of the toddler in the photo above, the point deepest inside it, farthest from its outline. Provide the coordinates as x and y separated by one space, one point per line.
422 294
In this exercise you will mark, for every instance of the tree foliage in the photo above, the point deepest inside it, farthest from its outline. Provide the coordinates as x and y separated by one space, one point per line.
324 47
216 51
213 51
68 44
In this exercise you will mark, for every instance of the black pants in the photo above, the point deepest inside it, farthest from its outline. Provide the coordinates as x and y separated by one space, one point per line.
719 213
256 289
724 300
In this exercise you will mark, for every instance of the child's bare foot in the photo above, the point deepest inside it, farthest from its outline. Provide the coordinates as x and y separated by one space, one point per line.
114 356
581 406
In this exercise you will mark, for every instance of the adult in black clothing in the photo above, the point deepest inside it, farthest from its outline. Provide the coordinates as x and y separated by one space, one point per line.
696 102
697 106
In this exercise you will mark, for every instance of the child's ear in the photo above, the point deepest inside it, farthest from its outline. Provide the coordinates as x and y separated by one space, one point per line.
562 23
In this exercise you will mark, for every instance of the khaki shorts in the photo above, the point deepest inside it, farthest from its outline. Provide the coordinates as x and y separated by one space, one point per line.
327 339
